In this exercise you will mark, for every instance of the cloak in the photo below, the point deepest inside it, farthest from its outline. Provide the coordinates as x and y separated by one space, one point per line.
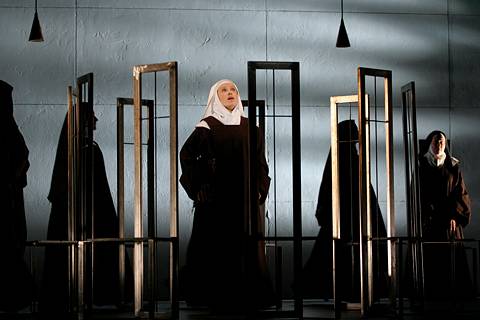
16 281
106 286
317 273
443 197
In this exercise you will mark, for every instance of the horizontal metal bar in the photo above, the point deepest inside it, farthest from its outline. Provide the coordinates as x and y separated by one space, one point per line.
144 239
40 243
273 65
146 68
278 116
379 121
158 117
131 143
85 78
121 102
344 99
408 87
258 103
285 238
375 72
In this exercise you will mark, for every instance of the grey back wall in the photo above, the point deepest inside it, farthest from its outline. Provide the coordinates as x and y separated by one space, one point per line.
436 43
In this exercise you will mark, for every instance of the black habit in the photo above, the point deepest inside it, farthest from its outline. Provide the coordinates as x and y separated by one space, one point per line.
222 269
444 197
16 284
317 274
106 290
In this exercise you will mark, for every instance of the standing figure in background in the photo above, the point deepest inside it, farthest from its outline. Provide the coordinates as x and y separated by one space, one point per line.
16 284
223 269
55 286
445 206
317 278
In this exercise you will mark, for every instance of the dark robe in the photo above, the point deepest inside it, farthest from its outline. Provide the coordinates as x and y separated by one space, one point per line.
222 269
317 274
16 284
106 289
444 197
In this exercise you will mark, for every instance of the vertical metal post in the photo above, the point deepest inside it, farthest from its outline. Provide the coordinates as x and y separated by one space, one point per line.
363 186
297 193
278 274
398 280
138 195
72 274
121 196
173 71
389 149
151 212
83 187
251 210
335 202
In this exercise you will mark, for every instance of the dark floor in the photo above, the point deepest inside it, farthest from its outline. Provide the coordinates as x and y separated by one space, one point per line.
312 309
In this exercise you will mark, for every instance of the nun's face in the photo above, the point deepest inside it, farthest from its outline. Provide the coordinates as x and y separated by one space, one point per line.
438 144
228 95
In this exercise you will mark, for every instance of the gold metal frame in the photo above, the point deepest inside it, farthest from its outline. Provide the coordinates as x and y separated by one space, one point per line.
334 102
121 103
366 258
138 70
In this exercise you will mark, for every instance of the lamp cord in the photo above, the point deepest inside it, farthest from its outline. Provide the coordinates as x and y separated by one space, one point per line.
341 1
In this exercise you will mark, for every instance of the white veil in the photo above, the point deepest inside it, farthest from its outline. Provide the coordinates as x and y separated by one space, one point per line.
216 109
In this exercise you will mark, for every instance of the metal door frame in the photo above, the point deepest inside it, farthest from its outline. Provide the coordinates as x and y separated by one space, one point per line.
138 71
412 188
366 259
294 67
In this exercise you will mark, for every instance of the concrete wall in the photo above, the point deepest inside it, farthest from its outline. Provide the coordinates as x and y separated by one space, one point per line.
435 43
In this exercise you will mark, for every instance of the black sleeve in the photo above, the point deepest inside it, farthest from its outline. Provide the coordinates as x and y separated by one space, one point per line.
194 150
263 178
323 213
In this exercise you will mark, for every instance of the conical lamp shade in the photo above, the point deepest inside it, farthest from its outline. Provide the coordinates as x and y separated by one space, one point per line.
342 39
36 32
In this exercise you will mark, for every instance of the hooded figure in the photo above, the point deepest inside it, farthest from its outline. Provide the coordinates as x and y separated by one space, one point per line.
106 285
15 279
445 206
317 275
222 271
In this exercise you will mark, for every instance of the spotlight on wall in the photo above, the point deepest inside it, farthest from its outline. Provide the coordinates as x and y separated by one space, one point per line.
342 38
36 31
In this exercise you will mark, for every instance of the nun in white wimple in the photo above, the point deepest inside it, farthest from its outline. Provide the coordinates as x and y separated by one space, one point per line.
446 211
224 104
214 175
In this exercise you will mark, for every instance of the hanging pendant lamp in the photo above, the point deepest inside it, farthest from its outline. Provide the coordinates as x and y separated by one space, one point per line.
36 31
342 38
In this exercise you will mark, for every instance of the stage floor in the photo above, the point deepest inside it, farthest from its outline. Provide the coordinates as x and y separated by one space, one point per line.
312 309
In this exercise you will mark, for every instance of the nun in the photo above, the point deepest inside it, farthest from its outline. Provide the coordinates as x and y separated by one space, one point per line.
55 299
224 270
445 205
16 283
317 276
